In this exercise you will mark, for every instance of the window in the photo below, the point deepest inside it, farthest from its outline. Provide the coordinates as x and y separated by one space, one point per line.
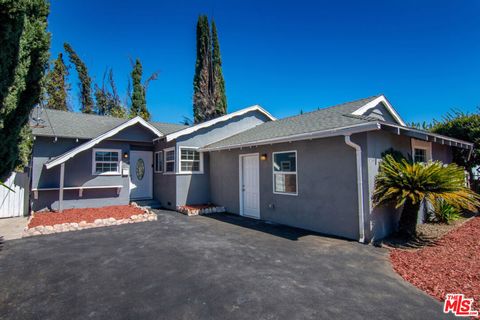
420 155
421 150
159 161
190 160
106 162
285 172
170 160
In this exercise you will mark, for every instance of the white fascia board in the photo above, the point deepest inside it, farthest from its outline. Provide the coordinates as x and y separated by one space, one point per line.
429 134
89 144
209 123
370 126
374 103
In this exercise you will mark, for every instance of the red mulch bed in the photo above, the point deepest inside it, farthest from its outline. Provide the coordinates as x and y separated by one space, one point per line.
84 214
451 265
198 206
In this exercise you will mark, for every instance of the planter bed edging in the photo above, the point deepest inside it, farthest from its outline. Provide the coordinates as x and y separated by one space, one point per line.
98 223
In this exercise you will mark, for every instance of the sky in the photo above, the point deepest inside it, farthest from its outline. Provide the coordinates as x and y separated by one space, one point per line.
286 56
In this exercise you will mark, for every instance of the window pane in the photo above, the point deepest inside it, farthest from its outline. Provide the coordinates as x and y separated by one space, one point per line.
190 166
158 161
170 155
170 166
286 183
420 155
285 162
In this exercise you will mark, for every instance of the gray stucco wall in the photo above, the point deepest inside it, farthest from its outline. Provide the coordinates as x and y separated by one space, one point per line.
327 190
179 189
78 172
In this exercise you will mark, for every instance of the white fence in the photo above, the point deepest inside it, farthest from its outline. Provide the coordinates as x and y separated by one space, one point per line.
14 204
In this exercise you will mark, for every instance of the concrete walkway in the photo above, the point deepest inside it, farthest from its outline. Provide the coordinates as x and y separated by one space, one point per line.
12 228
205 267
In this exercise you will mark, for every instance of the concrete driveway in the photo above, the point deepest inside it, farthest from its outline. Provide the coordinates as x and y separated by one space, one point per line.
216 267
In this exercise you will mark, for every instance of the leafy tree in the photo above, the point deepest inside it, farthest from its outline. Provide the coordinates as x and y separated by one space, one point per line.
107 99
407 185
138 98
23 60
86 99
219 97
57 87
466 127
203 101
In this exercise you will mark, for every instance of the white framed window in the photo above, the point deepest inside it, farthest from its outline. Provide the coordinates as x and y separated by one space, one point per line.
158 165
284 166
169 160
106 161
191 161
421 150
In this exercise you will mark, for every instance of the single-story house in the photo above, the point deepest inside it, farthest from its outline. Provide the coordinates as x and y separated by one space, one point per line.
314 171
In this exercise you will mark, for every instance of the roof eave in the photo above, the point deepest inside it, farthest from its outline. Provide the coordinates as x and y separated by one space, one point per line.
206 124
369 126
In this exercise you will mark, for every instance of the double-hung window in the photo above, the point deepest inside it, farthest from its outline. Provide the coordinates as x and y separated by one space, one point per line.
285 172
190 160
158 161
170 160
106 161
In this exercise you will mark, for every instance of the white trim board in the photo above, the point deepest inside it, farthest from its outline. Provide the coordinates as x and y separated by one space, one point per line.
374 103
89 144
209 123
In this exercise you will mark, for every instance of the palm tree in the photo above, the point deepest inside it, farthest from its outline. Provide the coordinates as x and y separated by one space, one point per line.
409 184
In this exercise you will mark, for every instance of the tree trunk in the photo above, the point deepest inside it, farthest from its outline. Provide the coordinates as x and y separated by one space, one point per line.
408 219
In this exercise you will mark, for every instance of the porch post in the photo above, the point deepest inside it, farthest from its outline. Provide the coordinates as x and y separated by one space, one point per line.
60 196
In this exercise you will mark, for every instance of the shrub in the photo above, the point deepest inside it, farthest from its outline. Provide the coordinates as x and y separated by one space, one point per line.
444 212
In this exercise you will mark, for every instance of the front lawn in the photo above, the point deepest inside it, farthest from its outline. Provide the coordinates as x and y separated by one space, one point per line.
450 265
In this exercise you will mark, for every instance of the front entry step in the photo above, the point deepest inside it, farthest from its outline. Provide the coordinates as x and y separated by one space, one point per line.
149 204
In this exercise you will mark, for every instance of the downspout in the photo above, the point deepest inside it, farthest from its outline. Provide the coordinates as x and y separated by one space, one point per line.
358 153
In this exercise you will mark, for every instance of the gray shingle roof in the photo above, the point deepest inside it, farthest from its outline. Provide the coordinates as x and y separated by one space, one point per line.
66 124
337 116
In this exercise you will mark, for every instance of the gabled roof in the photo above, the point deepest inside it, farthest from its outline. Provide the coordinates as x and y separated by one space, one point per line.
335 117
343 119
89 144
65 124
206 124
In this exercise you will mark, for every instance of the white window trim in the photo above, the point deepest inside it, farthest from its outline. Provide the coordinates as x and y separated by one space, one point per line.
165 161
424 145
111 173
282 172
180 171
155 162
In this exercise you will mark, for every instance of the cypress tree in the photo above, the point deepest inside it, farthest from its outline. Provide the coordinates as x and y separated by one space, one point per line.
57 86
139 101
202 80
23 60
220 98
86 99
209 99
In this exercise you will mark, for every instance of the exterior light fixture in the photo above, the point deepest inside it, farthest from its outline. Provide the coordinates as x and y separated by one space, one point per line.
125 155
263 157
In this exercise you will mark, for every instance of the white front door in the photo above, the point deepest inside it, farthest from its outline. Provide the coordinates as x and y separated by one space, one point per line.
249 186
141 174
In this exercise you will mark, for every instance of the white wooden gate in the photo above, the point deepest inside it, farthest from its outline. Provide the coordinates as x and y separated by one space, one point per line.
14 204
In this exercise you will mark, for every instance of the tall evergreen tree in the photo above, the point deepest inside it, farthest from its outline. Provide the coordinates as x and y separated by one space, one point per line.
86 99
219 95
57 86
202 81
209 99
139 102
23 60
